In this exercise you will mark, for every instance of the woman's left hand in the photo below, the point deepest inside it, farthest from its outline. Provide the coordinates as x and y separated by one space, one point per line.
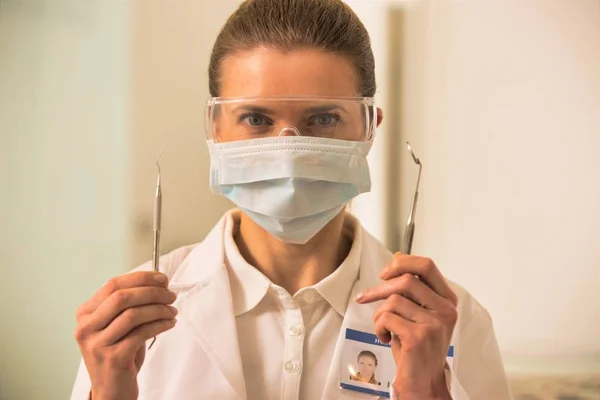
417 316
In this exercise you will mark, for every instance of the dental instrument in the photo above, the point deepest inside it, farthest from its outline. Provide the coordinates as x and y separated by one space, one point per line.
406 245
156 225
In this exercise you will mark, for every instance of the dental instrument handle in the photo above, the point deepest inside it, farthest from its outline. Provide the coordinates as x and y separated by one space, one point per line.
406 246
156 227
156 244
156 230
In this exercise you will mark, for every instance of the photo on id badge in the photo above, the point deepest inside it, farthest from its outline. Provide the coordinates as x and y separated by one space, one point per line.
367 364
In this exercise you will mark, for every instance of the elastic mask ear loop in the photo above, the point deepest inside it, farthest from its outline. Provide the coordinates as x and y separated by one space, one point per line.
289 131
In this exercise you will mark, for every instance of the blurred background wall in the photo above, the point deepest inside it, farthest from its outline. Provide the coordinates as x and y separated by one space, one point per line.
500 99
65 94
505 116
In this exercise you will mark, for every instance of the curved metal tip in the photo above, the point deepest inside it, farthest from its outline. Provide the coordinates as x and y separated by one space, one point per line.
412 153
158 167
158 159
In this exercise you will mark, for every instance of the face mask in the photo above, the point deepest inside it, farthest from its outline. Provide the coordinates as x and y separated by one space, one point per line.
291 186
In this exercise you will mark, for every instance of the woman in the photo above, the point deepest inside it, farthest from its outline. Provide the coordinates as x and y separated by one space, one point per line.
367 363
263 301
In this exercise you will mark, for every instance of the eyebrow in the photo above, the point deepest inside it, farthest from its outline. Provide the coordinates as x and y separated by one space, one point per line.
254 109
310 110
324 109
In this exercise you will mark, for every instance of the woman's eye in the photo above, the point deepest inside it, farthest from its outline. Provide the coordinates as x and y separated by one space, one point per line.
326 119
254 120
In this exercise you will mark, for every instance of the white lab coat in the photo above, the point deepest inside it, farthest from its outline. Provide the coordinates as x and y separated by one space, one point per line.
200 359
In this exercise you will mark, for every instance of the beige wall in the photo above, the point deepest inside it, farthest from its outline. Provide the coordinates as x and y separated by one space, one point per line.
509 134
64 100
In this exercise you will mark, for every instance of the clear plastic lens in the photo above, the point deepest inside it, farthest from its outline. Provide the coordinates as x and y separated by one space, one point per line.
236 119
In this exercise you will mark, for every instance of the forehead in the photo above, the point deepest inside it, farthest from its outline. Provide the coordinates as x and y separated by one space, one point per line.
268 72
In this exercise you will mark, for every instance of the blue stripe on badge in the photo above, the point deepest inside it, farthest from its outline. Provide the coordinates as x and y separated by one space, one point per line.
451 351
364 390
369 338
364 337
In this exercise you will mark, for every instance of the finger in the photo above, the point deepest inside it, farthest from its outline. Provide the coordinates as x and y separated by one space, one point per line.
138 337
389 323
131 318
134 279
404 307
423 267
128 298
407 285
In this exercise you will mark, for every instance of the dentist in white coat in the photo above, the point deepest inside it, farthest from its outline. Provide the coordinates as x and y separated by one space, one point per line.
259 309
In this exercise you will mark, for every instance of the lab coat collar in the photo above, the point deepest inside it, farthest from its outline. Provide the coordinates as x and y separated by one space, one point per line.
208 257
337 287
249 286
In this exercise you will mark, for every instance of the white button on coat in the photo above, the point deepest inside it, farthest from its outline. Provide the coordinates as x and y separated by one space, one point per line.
295 330
291 366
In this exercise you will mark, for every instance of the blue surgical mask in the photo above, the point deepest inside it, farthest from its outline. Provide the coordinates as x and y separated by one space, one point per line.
291 186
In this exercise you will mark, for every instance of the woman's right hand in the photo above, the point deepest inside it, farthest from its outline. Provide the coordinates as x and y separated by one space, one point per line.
113 327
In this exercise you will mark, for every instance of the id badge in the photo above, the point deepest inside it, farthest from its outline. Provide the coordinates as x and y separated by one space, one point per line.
367 364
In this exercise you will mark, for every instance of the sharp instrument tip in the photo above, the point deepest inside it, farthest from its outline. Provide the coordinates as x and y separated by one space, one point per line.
158 167
412 153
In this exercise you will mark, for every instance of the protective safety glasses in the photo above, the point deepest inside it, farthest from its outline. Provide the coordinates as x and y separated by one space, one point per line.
345 118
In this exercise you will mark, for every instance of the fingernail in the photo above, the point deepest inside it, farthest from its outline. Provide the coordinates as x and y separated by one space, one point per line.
384 273
173 310
359 297
160 278
172 295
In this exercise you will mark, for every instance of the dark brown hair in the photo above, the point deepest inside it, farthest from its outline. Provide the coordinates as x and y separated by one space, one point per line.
328 25
367 353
